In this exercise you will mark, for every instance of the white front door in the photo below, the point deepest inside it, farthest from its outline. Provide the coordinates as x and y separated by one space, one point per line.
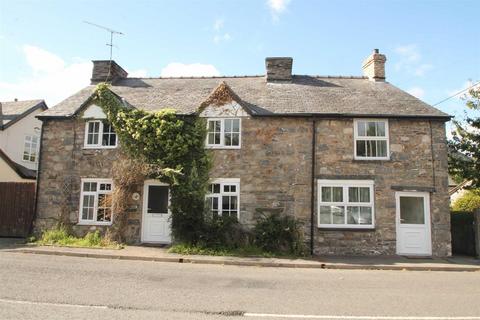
413 223
156 225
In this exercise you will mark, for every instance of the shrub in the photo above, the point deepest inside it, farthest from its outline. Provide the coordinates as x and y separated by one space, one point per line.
223 232
468 202
276 233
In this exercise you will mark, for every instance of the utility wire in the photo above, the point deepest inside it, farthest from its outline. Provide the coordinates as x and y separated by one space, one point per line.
456 94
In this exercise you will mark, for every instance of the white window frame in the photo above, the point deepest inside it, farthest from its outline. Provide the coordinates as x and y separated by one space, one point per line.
222 182
369 138
222 134
30 149
345 184
95 208
100 137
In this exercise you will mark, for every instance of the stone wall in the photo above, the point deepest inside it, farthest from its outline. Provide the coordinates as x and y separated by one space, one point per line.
64 163
274 167
410 168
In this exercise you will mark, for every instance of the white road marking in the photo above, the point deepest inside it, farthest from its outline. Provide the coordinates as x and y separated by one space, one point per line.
306 316
258 315
53 304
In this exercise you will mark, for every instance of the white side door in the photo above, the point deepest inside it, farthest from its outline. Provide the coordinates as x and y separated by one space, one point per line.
156 224
413 223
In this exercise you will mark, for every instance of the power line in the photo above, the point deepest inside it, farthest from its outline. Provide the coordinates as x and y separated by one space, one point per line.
456 94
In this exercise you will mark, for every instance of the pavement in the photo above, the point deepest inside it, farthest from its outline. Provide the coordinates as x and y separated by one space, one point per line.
144 253
37 286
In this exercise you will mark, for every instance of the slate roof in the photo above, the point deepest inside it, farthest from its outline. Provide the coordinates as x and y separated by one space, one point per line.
13 111
305 96
22 171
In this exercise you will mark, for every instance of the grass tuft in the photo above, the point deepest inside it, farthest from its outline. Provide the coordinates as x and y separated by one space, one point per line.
61 237
245 251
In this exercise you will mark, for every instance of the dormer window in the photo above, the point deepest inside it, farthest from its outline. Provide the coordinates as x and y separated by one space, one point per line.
99 134
224 133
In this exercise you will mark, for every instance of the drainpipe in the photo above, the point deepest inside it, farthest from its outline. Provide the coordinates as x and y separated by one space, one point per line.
312 199
433 156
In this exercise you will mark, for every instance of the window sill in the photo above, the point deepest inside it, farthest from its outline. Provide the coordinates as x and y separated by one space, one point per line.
347 228
222 147
85 223
95 148
369 229
370 159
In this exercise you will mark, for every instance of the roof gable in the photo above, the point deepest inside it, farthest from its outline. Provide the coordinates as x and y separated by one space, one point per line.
14 111
93 112
223 102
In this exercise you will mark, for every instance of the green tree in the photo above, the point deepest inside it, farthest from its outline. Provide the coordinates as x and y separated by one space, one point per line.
464 155
468 202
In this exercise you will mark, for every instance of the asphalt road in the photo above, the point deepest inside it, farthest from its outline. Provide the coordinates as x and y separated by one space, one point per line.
53 287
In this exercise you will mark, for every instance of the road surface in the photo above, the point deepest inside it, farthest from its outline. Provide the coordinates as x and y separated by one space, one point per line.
55 287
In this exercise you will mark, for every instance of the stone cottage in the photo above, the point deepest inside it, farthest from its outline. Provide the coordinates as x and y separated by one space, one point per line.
361 163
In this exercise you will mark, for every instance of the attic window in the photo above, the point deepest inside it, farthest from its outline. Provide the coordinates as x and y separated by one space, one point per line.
224 133
99 134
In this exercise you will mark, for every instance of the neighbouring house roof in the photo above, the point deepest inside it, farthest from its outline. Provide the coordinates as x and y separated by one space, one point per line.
22 171
454 188
13 111
304 96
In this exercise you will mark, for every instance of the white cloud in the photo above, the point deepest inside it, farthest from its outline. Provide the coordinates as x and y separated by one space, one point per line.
277 7
410 60
51 78
221 38
466 84
218 24
409 52
141 73
41 60
416 92
176 69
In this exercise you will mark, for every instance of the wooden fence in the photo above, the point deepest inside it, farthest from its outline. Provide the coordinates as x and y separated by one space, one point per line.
463 233
17 204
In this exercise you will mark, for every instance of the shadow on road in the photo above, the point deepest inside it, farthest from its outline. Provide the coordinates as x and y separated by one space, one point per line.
11 243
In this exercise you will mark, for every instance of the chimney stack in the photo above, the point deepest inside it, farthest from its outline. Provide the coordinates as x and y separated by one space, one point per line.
374 66
279 69
101 72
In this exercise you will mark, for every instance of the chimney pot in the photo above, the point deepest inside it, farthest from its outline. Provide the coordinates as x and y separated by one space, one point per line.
374 66
102 73
279 69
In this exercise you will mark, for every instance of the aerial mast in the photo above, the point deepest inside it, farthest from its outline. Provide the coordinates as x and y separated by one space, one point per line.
111 45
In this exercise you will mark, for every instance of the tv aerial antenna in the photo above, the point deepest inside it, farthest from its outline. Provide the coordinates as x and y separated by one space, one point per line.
111 45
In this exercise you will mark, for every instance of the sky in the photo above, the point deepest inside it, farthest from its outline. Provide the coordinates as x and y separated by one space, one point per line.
432 47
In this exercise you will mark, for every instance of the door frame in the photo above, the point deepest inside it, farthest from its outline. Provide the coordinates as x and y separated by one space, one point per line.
146 184
427 213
